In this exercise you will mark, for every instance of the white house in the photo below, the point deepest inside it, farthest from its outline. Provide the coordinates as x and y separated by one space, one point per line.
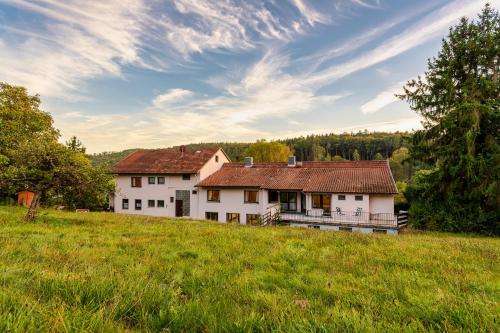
344 195
162 182
204 184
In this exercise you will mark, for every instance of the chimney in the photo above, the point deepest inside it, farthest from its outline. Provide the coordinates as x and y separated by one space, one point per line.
292 161
248 162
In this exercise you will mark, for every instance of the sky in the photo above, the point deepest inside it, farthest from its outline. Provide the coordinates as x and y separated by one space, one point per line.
151 73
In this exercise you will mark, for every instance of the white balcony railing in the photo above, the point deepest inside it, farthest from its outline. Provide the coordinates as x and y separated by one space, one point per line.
344 217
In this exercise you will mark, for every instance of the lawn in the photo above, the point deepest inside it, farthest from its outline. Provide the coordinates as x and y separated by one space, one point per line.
109 272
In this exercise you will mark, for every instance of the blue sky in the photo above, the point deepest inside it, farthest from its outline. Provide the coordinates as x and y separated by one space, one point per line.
139 73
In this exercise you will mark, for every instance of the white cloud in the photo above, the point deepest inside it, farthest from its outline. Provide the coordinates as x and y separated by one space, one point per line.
433 25
171 96
81 41
77 40
310 14
383 99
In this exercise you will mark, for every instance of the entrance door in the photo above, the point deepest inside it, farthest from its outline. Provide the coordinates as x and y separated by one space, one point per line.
178 208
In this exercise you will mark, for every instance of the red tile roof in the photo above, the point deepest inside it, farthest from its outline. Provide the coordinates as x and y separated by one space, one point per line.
164 161
332 177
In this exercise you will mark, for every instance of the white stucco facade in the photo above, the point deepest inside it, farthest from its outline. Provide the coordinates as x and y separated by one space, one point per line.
230 201
168 192
381 203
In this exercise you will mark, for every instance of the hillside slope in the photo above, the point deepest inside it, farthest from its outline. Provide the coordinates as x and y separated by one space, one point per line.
111 272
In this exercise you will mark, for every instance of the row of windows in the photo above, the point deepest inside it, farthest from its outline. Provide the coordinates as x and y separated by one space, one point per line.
151 203
252 219
249 197
152 180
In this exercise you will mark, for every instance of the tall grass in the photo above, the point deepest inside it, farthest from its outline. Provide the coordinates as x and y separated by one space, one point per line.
107 272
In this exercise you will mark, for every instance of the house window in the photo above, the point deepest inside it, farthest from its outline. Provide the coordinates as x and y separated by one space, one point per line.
253 219
194 192
161 180
251 196
186 176
160 203
345 229
216 159
321 201
233 217
314 226
288 201
358 198
136 181
213 195
380 231
138 204
171 199
124 203
213 216
341 196
151 180
273 196
151 203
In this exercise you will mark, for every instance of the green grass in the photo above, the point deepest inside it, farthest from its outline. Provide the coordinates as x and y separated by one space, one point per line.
109 272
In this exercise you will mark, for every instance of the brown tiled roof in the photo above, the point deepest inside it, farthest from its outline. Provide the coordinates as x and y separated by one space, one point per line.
335 177
164 161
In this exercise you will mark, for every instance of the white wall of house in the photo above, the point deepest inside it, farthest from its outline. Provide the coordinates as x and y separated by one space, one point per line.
214 164
165 192
124 190
381 203
350 204
231 201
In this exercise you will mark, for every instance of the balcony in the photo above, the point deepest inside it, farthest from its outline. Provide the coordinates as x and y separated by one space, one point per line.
316 216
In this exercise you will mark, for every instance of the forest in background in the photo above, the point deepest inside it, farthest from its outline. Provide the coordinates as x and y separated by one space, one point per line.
369 146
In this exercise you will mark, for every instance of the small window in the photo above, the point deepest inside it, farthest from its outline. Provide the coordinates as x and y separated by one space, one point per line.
213 195
233 217
136 181
160 203
124 203
358 197
138 204
341 196
186 176
161 180
253 219
314 226
273 196
194 192
251 196
380 231
213 216
151 180
151 203
171 199
345 229
216 159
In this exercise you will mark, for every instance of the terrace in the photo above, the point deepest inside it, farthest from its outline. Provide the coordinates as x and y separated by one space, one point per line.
343 218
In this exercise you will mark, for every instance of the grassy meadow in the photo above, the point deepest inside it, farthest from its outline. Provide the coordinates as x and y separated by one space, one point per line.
103 272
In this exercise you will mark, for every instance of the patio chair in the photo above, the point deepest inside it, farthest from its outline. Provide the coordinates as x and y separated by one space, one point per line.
358 211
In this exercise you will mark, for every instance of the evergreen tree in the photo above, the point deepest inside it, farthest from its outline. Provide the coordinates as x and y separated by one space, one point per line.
355 155
459 100
76 145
